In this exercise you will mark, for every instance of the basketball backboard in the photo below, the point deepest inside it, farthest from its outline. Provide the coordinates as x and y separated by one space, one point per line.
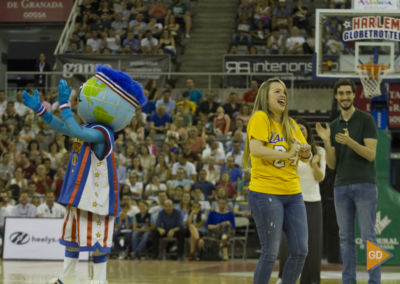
346 38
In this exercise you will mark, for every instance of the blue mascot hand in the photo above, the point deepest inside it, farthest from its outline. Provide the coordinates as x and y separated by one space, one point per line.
63 92
33 102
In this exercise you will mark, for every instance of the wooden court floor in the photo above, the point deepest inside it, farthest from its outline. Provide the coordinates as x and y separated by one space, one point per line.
168 272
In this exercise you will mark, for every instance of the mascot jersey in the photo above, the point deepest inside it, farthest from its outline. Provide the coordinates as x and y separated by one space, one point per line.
90 182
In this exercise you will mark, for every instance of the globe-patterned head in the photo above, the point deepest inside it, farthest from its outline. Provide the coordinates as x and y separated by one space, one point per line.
110 98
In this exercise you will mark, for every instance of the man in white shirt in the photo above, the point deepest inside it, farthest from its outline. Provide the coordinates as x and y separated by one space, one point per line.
3 102
212 171
294 44
5 208
119 25
112 41
23 208
6 166
188 167
19 107
236 153
213 150
135 186
149 44
50 209
95 42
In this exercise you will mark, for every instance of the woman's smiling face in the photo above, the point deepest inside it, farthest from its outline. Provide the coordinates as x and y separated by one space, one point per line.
277 98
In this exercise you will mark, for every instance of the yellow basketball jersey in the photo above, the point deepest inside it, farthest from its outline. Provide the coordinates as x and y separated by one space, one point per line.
273 176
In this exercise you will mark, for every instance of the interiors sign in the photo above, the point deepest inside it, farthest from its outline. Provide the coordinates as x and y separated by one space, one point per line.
35 10
298 65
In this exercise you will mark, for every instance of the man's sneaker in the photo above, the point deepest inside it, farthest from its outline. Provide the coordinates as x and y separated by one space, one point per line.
123 255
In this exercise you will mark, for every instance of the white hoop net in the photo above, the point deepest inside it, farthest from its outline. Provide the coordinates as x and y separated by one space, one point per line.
371 78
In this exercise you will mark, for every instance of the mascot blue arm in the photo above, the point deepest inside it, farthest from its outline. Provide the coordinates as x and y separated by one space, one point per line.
120 82
68 126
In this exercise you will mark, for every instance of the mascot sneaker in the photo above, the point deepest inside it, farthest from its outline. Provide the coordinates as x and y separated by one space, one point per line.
65 280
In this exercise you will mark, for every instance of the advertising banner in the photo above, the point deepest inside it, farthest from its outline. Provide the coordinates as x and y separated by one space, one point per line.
299 65
34 239
364 103
376 5
138 66
387 214
35 10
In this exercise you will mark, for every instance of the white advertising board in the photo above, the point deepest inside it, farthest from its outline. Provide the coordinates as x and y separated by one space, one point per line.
34 239
376 5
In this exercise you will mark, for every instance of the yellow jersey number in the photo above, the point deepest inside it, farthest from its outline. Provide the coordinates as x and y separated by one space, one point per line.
282 163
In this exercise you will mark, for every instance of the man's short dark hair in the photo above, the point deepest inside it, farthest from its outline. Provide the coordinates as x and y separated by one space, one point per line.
344 82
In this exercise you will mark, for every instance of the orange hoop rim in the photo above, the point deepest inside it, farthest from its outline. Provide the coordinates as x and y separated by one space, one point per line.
373 69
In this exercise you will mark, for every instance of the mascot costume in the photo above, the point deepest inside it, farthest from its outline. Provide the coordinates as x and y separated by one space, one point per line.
106 104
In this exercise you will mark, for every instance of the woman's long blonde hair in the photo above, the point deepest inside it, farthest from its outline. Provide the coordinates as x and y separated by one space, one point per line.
261 103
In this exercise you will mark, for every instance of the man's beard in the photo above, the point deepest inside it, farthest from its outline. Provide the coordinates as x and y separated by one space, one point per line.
346 108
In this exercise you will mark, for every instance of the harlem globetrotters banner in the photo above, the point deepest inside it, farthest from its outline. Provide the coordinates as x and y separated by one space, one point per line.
372 27
35 10
141 67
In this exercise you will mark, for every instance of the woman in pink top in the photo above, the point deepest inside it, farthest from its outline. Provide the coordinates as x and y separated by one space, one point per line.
222 122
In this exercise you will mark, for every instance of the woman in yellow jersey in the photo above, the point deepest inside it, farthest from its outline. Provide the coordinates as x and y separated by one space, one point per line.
274 144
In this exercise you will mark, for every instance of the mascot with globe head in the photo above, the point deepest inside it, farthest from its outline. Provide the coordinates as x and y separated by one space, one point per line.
106 104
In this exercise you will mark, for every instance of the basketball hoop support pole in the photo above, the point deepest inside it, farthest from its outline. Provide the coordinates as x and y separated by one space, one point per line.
380 107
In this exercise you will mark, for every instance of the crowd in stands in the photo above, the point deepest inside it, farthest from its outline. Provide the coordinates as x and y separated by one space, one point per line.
280 27
179 168
130 27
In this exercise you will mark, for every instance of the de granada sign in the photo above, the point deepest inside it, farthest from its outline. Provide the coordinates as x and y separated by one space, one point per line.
35 10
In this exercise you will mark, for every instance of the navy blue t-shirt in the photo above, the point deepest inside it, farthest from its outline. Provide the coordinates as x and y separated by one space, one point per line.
159 121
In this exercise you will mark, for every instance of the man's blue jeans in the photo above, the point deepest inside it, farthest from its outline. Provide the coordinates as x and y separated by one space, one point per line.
272 214
360 199
139 240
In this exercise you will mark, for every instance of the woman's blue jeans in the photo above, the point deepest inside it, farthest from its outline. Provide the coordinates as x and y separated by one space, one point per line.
272 214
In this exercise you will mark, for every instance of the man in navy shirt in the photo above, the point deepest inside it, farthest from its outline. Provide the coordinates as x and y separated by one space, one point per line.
123 229
234 172
159 121
169 225
206 187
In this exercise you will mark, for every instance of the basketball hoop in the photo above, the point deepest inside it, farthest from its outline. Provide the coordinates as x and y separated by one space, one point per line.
371 76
